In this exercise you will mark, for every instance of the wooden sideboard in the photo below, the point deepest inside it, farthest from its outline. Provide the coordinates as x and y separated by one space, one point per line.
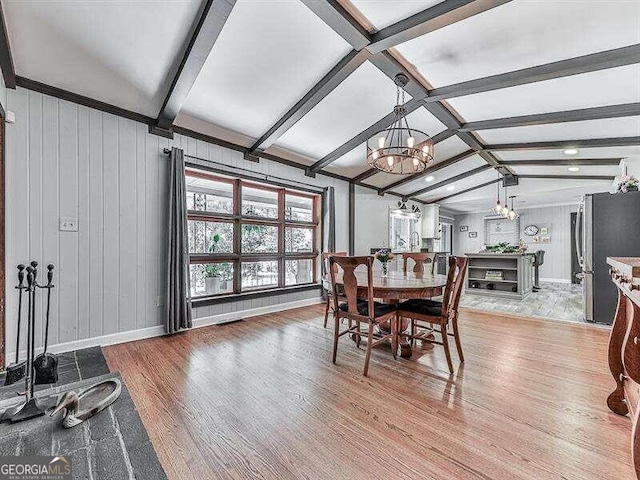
624 348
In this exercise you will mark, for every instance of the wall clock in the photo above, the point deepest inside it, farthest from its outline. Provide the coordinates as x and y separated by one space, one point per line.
531 230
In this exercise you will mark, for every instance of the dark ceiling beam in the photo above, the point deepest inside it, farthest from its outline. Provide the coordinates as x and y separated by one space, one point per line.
387 64
569 177
320 90
431 169
563 162
81 100
364 175
445 116
439 16
341 21
359 139
564 144
573 66
205 33
449 181
477 187
594 113
6 59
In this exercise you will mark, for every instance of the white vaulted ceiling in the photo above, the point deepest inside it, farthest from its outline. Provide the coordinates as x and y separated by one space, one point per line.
271 55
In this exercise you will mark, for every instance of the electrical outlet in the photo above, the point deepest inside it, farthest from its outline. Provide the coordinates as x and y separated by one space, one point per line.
160 301
68 224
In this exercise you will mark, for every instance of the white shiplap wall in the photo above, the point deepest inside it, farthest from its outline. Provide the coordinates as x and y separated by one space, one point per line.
66 160
557 260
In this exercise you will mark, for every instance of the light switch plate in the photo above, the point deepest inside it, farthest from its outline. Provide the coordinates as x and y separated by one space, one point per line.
68 224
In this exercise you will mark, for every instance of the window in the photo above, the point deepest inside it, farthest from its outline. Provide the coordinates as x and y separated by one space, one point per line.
246 236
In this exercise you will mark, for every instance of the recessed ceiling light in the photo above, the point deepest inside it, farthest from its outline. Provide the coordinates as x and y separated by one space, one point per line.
571 151
430 178
574 169
451 188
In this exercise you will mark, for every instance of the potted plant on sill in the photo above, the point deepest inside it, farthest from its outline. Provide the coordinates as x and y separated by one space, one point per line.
212 270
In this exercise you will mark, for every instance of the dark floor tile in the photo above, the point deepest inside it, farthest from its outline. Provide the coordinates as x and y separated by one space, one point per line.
109 460
145 463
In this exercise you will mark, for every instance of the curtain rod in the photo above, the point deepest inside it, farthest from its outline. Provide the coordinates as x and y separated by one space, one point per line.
255 175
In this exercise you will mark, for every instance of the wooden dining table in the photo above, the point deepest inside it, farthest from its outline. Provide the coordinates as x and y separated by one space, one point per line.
396 287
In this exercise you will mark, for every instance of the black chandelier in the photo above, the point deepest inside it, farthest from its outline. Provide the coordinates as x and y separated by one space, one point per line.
400 149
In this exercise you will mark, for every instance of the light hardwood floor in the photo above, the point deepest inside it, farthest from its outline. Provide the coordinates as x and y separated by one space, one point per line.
261 399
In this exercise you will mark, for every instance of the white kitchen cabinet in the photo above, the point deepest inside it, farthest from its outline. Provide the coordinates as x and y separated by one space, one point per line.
431 221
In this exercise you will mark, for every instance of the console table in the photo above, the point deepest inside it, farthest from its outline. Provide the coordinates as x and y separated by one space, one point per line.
624 347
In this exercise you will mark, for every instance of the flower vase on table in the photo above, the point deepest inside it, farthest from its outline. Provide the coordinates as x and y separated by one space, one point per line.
384 255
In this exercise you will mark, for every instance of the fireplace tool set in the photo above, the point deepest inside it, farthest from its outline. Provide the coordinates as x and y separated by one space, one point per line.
35 370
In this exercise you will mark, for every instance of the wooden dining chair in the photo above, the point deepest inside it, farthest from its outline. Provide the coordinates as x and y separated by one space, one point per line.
420 260
329 291
360 311
439 313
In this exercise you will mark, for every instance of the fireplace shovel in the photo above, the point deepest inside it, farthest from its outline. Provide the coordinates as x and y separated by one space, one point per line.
18 370
46 364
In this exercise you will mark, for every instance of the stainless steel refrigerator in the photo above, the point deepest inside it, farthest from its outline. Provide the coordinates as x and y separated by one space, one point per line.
606 226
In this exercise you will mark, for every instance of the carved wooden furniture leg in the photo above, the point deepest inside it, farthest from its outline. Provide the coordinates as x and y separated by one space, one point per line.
616 400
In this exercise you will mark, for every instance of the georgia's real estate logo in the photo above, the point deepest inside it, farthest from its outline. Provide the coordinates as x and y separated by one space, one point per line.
35 468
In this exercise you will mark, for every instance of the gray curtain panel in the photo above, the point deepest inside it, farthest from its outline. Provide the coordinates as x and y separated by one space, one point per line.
178 299
329 220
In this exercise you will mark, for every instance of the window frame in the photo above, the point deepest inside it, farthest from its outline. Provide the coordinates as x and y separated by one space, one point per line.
236 257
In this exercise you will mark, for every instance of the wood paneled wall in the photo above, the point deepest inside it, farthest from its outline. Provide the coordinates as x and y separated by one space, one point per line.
109 173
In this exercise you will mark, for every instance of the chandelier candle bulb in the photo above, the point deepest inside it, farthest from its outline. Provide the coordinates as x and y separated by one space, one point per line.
381 142
411 142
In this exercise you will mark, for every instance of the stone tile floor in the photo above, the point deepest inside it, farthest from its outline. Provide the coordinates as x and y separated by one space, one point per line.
557 301
113 445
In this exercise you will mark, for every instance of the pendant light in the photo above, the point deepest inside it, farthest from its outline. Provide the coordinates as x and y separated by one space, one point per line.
505 208
512 215
497 208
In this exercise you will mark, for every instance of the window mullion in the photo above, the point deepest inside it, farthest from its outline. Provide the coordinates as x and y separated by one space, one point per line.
281 239
237 231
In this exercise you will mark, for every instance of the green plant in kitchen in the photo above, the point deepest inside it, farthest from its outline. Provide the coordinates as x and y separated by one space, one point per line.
505 247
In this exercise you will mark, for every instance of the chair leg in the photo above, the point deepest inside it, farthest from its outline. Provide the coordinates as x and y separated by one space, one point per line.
368 354
336 336
394 336
413 332
326 312
358 337
456 336
445 344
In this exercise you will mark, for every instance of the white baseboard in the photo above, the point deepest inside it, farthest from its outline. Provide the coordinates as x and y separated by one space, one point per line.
157 331
555 280
252 312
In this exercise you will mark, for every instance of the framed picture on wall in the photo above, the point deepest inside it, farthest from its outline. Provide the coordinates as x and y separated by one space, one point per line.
473 234
544 230
464 228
